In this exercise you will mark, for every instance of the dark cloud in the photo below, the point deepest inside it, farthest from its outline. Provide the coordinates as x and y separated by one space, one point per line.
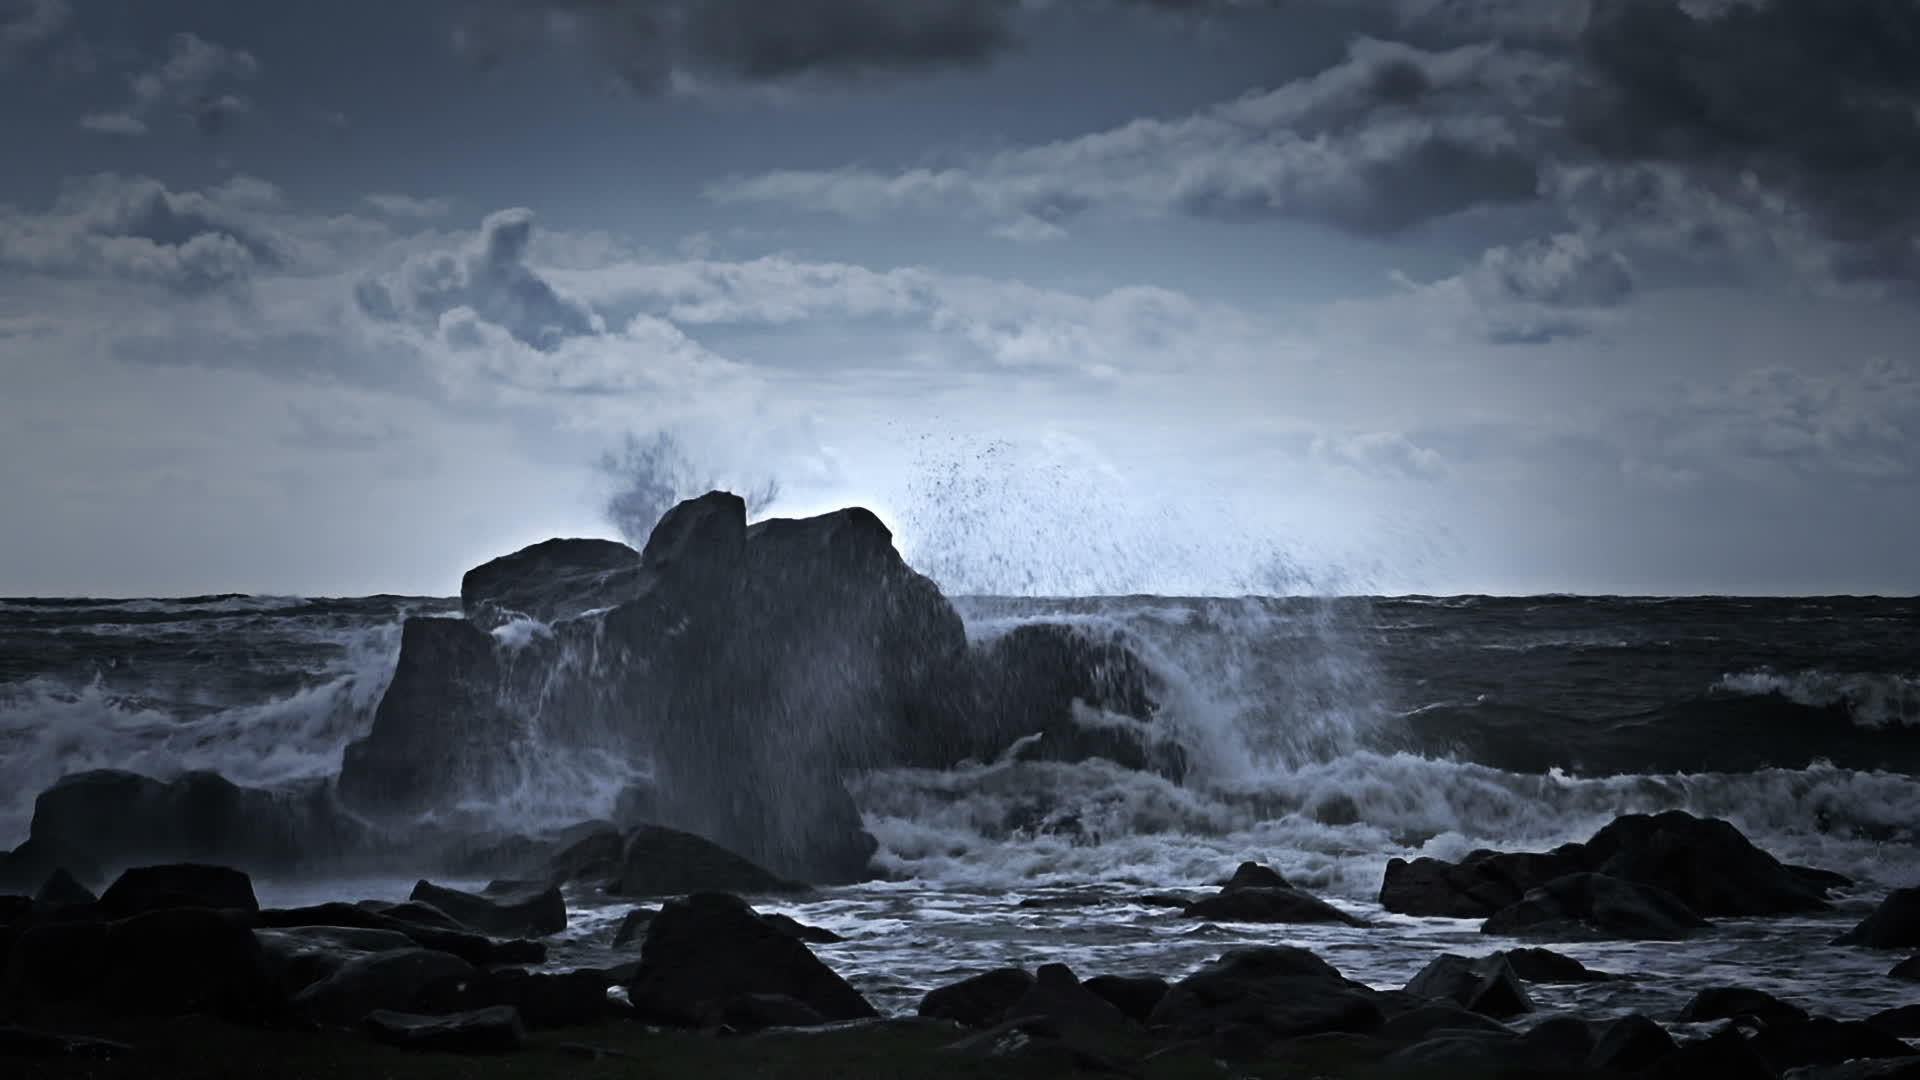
490 284
183 82
137 229
659 45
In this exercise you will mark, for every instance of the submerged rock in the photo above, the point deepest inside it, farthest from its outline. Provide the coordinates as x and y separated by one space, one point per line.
1268 905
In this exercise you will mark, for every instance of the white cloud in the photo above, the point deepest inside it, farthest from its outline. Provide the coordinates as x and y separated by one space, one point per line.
408 206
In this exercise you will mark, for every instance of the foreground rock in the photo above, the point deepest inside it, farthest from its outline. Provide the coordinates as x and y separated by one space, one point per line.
494 1030
980 1000
1488 985
1267 994
657 861
1705 863
704 950
537 915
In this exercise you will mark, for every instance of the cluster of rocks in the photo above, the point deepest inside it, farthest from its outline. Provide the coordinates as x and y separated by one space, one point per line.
448 970
1650 877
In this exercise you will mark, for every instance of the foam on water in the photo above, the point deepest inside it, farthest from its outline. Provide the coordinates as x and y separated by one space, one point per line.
1873 699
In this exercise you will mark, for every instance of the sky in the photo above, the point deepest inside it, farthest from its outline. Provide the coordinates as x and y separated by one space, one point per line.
1116 296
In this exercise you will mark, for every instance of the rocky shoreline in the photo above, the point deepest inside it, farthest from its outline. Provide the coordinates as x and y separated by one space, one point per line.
440 983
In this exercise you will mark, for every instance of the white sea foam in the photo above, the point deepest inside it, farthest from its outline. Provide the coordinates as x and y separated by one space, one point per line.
1873 699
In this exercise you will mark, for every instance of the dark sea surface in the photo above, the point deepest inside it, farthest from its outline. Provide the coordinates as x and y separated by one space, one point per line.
1323 737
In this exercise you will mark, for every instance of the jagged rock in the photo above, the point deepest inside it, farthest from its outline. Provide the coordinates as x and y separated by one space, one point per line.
152 888
1707 864
1547 966
539 915
390 980
493 1030
658 861
1134 995
1581 906
1895 924
1487 985
707 947
1729 1002
1631 1044
61 889
1474 888
1268 905
552 580
980 1000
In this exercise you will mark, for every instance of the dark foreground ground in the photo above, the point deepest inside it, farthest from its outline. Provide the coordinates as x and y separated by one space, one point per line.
202 1048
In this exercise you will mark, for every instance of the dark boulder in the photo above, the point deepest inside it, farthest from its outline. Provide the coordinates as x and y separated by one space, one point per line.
1588 906
1273 992
1058 996
1730 1002
301 956
106 817
1895 924
1560 1042
799 931
1422 1023
590 852
1029 681
1706 863
1724 1055
54 962
1908 969
178 960
495 1030
476 949
1903 1020
1631 1044
152 888
1134 995
1267 905
1487 985
757 1012
707 947
62 889
1824 1041
1474 888
544 1001
1253 875
658 861
633 926
549 581
390 980
1547 966
538 915
978 1001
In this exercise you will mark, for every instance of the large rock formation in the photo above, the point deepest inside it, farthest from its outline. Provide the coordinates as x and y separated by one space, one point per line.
743 668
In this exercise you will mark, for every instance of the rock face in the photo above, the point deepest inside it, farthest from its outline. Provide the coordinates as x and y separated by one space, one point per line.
745 667
703 951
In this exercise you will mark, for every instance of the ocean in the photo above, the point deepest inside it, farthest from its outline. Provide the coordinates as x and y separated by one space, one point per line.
1322 736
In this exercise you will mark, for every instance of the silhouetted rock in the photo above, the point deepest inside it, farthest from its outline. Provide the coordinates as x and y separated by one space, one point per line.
1134 995
1908 969
1895 924
1729 1002
1560 1042
1724 1055
179 960
298 957
757 1012
1474 888
389 980
537 915
1253 875
475 949
1903 1020
1631 1044
1273 992
1028 682
1268 905
707 947
1581 906
545 1001
152 888
52 963
549 581
1547 966
62 890
980 1000
1421 1023
1824 1041
633 926
1058 996
799 931
658 861
493 1030
1487 985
